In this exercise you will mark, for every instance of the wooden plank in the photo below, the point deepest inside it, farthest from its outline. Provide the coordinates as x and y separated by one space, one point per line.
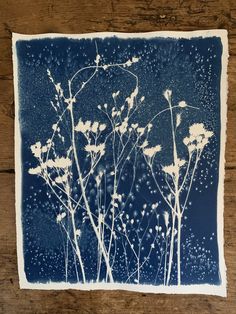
78 16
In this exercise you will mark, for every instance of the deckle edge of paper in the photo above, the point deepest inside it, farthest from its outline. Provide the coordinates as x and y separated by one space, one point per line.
219 290
166 34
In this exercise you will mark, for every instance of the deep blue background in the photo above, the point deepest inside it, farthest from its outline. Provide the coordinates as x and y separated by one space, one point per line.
191 68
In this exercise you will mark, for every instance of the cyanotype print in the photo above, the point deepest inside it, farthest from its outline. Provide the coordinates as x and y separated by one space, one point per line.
119 158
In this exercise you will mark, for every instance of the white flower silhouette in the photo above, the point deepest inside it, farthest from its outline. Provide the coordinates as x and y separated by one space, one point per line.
36 149
35 171
95 148
60 217
151 151
198 138
167 94
182 104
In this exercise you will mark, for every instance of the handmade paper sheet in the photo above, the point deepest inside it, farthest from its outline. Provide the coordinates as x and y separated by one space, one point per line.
119 146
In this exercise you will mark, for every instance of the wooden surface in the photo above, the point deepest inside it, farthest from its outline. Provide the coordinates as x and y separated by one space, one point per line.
79 16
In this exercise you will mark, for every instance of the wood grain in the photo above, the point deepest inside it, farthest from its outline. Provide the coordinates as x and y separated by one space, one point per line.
78 16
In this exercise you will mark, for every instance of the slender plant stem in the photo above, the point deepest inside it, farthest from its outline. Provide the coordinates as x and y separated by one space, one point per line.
88 210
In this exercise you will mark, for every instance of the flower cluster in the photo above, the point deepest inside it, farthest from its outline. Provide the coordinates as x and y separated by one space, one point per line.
95 149
140 131
151 151
198 137
122 128
37 149
130 99
35 171
173 169
117 113
131 61
88 126
61 179
60 217
60 163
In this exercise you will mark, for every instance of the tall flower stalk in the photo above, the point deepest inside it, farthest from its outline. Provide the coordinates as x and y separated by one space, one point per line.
179 176
76 156
59 171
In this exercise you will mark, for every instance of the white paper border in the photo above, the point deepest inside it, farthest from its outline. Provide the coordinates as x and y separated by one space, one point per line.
219 290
